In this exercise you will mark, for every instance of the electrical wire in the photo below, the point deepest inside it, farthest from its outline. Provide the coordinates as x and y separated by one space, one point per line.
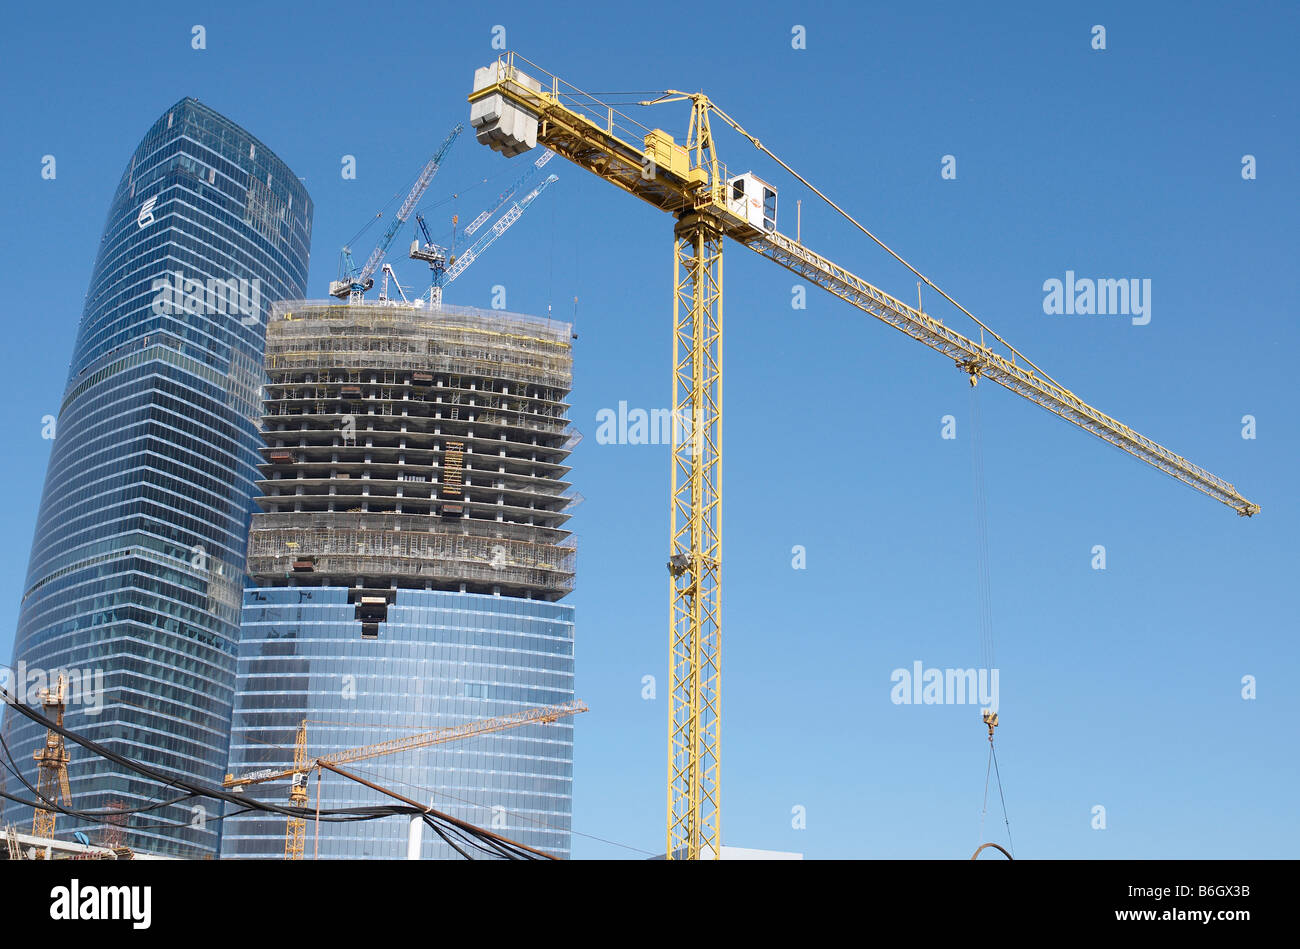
479 840
441 833
517 814
194 787
458 832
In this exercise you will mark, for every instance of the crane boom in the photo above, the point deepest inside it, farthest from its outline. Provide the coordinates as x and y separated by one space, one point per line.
532 716
501 225
506 195
359 281
439 257
303 763
979 360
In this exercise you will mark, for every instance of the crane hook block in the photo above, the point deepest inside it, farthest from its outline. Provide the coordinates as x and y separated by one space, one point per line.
991 720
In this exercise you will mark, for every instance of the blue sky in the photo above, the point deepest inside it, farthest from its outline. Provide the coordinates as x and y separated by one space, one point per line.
1120 688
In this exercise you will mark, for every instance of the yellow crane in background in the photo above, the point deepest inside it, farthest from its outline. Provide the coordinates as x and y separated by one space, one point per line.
514 106
52 763
296 829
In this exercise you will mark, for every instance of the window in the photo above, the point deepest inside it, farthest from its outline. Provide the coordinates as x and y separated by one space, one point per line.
769 209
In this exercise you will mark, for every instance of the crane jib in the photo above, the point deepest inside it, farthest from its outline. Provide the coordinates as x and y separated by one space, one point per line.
982 361
503 93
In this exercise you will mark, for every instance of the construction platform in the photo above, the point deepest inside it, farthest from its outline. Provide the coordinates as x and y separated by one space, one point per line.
412 446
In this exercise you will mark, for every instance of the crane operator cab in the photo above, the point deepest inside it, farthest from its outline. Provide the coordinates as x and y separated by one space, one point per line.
753 199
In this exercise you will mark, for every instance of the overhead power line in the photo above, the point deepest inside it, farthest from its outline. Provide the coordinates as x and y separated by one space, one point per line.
477 838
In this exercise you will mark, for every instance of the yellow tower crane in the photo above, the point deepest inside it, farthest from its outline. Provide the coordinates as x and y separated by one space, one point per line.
295 831
52 763
515 106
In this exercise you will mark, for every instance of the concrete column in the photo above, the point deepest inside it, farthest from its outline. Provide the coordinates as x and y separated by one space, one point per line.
415 838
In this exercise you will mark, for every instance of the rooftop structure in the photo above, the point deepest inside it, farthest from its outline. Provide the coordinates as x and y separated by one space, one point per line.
19 845
417 448
406 560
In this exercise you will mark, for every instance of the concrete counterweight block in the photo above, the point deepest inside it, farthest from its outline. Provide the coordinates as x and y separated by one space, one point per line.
501 125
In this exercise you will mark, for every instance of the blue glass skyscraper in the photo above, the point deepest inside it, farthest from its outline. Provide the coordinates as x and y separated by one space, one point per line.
407 565
137 564
441 659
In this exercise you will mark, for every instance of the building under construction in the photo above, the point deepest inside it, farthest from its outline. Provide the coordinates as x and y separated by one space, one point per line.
405 567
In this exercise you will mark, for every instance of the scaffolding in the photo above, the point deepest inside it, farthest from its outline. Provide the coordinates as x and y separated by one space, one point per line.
412 446
492 344
384 556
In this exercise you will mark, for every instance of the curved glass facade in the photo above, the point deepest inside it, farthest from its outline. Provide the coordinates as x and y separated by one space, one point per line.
440 659
405 567
138 557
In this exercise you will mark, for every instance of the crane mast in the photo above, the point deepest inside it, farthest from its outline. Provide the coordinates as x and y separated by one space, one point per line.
514 106
52 763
